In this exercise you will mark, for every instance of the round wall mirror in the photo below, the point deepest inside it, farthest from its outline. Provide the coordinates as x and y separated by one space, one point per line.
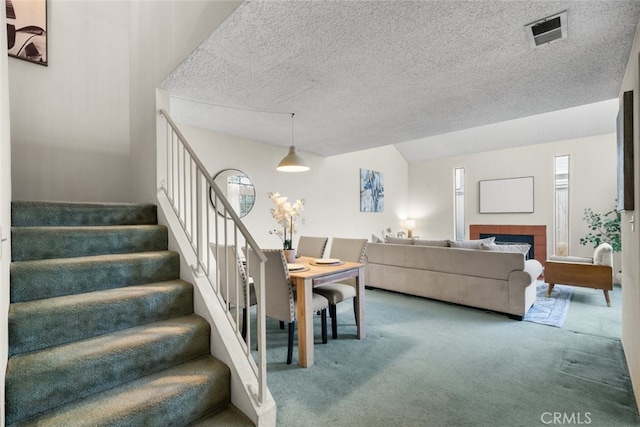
237 188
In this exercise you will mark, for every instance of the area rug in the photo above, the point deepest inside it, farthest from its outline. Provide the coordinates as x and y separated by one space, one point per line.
550 311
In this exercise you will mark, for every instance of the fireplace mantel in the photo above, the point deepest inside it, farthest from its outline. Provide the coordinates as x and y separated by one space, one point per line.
539 233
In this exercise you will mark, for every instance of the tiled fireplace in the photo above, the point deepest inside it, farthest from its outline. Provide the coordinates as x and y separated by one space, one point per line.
537 232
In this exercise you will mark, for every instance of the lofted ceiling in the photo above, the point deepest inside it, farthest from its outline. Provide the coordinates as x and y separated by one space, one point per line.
436 78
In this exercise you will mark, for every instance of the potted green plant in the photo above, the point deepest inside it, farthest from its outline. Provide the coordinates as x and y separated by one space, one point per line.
604 228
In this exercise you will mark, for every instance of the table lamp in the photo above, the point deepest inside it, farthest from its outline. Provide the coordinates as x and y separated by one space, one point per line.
410 224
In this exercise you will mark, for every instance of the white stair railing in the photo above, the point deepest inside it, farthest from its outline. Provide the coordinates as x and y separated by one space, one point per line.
191 191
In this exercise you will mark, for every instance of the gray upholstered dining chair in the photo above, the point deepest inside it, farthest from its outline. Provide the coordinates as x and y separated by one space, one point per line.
351 250
279 296
231 273
312 246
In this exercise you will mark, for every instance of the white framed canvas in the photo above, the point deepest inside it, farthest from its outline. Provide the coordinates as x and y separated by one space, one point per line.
511 195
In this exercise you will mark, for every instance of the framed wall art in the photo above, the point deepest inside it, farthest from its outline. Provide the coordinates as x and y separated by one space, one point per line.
371 191
27 30
511 195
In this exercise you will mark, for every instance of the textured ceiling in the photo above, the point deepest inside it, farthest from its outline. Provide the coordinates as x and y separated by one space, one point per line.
417 74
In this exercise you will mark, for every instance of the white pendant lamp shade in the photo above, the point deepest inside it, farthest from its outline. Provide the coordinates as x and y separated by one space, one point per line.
292 162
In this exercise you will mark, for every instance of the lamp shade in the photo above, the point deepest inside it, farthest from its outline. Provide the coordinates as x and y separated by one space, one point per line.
410 223
292 162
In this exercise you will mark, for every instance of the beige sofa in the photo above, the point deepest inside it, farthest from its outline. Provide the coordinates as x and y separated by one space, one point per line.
489 279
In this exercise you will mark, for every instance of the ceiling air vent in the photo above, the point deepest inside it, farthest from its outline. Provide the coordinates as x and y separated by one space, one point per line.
547 30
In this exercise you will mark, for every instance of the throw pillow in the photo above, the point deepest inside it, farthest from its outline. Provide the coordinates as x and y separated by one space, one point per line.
439 243
470 244
399 240
376 239
603 255
517 248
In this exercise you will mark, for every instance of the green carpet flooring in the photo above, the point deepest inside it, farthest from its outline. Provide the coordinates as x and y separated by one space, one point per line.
101 328
429 363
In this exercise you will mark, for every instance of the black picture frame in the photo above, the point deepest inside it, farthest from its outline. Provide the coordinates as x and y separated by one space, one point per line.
27 36
624 146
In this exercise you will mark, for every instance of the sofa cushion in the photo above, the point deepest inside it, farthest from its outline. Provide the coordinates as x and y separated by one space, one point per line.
376 239
398 240
470 244
522 248
439 243
573 259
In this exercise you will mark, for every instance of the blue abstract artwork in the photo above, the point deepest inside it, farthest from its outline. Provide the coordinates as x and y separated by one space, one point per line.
371 191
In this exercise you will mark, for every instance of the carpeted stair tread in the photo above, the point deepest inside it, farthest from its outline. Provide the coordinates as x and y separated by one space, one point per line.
174 397
101 328
31 243
39 324
227 417
41 380
36 214
49 278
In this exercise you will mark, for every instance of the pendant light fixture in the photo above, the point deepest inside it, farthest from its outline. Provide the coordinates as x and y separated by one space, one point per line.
292 162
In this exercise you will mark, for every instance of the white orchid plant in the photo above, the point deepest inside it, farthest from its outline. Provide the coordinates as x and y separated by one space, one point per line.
285 213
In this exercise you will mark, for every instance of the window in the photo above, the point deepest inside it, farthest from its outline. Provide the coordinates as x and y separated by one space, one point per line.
246 194
458 194
561 225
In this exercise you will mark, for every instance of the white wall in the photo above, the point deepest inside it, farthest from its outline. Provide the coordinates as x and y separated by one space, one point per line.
5 207
83 128
330 188
631 238
70 120
592 184
163 34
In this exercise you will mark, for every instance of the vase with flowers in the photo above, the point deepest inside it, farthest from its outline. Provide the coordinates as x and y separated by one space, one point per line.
285 213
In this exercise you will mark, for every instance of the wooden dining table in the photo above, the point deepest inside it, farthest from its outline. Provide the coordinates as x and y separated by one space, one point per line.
315 274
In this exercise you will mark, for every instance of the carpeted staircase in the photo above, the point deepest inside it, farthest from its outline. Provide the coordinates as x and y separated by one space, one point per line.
101 329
